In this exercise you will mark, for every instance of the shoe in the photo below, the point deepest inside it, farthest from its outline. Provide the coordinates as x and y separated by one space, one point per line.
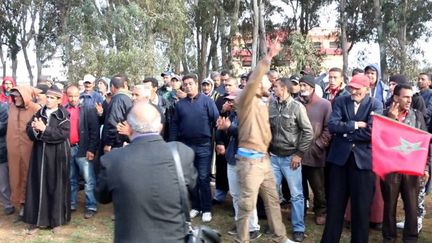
375 226
206 217
233 231
193 213
33 229
216 202
419 224
56 230
347 224
9 210
401 224
320 220
267 231
298 236
113 217
89 214
307 204
73 209
253 235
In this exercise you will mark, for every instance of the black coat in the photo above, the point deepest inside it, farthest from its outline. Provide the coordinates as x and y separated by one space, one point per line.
89 130
48 189
117 111
145 191
3 128
346 138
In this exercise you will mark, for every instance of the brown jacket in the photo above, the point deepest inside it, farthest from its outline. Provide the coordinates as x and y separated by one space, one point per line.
19 145
253 115
318 110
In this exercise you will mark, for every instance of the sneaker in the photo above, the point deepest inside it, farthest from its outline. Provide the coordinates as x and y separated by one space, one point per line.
253 235
401 224
9 210
206 217
233 231
193 213
89 214
419 224
298 236
73 209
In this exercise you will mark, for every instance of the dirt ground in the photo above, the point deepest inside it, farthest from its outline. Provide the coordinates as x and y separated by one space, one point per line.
100 228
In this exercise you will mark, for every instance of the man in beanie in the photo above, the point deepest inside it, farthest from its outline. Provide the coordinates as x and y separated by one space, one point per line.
48 190
313 161
292 135
350 162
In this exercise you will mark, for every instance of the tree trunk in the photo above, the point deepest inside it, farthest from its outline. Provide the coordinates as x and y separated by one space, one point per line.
381 38
262 32
255 33
403 37
27 62
202 72
343 24
226 40
3 61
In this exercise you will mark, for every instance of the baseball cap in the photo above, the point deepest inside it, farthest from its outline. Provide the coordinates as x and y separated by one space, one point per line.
207 81
359 81
295 78
167 73
89 78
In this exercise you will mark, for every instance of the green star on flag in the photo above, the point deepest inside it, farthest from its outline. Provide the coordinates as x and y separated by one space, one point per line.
406 147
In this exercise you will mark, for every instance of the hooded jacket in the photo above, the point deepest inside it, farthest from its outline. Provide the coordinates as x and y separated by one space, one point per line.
19 145
381 90
5 96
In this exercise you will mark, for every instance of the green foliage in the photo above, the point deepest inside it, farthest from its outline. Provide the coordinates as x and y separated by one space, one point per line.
301 53
130 38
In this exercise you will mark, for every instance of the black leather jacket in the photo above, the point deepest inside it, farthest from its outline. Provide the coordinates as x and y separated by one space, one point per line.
292 132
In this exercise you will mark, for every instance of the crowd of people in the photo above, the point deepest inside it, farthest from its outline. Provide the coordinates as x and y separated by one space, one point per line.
271 138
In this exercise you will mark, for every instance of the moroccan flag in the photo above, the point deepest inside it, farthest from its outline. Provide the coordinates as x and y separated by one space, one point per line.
397 147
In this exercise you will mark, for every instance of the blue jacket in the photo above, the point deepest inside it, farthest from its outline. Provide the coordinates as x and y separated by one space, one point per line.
347 139
381 91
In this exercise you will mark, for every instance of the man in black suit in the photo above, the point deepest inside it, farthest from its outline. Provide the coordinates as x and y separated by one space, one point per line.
350 161
142 182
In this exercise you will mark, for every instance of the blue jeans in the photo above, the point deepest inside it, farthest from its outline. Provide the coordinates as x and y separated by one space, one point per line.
282 167
201 196
80 165
234 187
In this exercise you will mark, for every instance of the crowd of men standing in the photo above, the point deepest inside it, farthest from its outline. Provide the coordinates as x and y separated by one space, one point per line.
263 130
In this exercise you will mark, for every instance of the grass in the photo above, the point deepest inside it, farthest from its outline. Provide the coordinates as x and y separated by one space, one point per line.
99 229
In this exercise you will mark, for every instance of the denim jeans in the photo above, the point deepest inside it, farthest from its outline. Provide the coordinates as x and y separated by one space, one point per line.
282 167
201 196
4 186
235 192
80 165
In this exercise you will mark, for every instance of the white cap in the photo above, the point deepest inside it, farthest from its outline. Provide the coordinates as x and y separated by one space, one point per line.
89 78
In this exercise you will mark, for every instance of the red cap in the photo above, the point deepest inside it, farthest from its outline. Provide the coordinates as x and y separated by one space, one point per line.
359 81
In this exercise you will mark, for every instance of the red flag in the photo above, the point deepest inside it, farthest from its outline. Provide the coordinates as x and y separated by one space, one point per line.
397 147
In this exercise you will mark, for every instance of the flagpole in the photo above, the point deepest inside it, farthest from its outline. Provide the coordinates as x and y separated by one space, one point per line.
398 122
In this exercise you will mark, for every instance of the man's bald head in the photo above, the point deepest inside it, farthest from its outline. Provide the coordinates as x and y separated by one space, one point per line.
144 118
73 94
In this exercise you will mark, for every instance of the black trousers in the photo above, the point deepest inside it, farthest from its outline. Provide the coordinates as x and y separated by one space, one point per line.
221 173
315 177
344 182
409 187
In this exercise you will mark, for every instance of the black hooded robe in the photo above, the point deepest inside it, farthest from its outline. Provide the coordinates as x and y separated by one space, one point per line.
48 189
